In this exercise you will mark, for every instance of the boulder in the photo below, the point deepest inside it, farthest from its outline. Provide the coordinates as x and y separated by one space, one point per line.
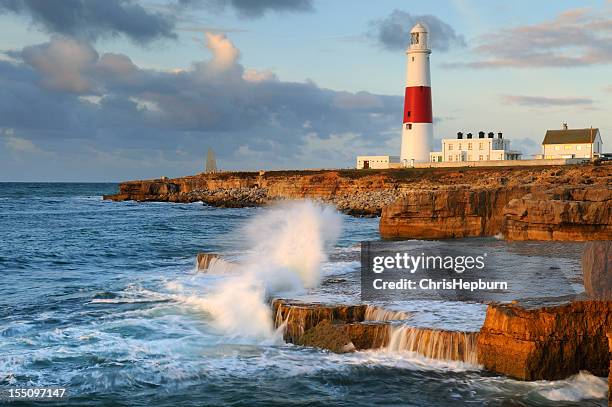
546 343
597 269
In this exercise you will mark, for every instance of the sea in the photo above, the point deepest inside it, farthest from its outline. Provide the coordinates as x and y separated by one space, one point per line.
104 299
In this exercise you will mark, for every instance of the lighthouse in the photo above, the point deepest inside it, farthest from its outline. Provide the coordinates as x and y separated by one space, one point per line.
417 129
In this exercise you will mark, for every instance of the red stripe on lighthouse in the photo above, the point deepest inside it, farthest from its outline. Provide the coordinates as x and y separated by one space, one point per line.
417 105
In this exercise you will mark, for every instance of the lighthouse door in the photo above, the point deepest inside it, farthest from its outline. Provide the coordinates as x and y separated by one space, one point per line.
366 165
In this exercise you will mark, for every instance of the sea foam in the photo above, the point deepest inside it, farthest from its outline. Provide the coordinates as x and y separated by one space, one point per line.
288 245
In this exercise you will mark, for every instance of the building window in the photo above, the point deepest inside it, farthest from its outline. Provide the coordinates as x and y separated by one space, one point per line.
480 158
568 146
578 147
469 146
557 148
459 146
480 146
450 158
469 158
412 59
450 146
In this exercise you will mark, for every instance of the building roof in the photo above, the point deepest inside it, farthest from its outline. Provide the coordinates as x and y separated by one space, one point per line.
570 136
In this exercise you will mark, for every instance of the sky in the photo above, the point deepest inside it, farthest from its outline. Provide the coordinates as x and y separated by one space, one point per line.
111 90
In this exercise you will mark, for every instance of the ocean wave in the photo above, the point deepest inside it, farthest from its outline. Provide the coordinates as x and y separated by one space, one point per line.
583 386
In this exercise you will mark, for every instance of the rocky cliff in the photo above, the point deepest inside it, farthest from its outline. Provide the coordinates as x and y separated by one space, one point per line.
360 192
571 203
420 203
560 213
546 343
448 213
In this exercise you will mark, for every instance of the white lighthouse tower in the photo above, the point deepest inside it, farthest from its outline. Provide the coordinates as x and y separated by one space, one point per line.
417 130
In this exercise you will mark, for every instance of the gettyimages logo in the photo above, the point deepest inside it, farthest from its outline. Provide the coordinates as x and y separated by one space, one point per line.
423 270
412 263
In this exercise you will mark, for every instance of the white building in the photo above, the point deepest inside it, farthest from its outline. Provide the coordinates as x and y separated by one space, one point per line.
377 162
467 148
571 143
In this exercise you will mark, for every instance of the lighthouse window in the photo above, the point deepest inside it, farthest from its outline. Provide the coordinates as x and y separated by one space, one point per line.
412 59
409 126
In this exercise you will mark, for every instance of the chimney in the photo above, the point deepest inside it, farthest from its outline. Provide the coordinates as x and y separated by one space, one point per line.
459 135
499 135
564 126
481 134
469 135
491 134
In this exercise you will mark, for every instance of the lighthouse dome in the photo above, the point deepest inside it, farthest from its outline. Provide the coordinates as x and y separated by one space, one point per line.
419 28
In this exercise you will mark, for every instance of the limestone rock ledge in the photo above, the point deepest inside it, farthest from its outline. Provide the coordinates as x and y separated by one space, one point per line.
449 213
562 213
546 343
597 270
439 202
345 328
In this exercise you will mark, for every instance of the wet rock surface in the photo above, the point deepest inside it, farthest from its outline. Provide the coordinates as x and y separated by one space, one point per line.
547 343
203 260
345 328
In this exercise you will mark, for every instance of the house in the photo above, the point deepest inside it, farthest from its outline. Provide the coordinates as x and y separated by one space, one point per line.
486 147
571 143
377 162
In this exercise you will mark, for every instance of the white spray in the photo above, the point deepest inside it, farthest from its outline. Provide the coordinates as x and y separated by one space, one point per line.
287 247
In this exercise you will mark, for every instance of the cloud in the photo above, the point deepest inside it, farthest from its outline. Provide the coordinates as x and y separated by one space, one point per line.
224 52
359 100
66 96
253 75
393 32
609 87
61 63
543 101
93 19
18 144
576 37
255 8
